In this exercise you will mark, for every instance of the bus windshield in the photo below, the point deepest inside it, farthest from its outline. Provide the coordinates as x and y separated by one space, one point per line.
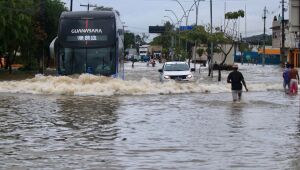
87 60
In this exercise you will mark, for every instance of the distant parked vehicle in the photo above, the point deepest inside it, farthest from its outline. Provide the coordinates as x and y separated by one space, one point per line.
137 58
145 58
176 70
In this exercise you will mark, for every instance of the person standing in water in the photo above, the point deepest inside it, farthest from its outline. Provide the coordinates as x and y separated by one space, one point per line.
236 79
294 79
286 78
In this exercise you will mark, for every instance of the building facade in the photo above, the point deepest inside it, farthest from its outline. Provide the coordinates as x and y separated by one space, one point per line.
292 34
293 37
277 31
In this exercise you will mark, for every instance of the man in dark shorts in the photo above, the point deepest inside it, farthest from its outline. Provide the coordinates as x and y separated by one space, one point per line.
236 79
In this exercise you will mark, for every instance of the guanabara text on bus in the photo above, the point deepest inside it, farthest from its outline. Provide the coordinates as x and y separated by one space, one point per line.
89 42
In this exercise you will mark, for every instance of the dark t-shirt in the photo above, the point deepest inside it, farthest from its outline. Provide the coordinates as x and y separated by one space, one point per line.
236 78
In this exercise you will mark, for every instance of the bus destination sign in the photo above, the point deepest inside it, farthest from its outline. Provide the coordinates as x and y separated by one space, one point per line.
87 38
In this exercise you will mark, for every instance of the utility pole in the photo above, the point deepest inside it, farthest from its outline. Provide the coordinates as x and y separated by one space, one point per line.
245 21
225 8
42 24
88 6
264 41
196 2
282 51
71 5
211 44
195 43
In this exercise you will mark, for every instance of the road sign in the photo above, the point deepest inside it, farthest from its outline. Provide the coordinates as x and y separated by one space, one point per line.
156 29
185 28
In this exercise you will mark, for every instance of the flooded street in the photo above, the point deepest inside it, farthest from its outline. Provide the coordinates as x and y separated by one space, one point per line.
90 122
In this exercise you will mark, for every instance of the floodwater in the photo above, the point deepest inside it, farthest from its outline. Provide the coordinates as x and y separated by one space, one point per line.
89 122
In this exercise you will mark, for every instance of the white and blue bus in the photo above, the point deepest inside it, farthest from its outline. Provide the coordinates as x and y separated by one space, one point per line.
89 42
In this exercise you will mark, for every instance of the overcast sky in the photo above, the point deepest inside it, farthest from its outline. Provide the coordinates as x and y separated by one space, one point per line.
139 14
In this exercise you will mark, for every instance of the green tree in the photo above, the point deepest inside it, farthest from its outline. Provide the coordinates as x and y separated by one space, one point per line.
228 36
166 39
28 27
198 35
35 51
103 8
15 25
141 39
53 10
129 40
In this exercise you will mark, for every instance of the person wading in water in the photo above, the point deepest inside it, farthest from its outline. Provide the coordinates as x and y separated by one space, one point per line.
236 79
294 80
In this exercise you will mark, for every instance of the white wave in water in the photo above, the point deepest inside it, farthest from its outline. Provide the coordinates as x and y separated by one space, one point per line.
86 84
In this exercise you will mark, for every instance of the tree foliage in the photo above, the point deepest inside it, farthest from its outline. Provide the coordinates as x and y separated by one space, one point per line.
129 40
15 27
141 39
235 15
165 39
231 25
198 33
103 8
28 27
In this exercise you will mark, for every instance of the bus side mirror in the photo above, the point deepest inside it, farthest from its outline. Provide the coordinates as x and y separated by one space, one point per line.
160 70
53 48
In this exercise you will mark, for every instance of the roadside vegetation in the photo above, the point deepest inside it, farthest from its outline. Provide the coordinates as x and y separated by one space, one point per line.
181 42
27 28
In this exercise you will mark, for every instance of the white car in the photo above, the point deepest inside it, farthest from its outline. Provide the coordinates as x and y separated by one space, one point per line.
176 70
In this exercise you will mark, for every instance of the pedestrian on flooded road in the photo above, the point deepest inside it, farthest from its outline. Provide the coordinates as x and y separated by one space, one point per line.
132 60
294 76
286 78
236 79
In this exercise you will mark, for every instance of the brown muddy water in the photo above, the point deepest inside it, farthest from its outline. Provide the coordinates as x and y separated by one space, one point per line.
90 122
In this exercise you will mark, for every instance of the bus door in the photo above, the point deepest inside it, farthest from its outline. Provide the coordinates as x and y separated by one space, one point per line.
72 61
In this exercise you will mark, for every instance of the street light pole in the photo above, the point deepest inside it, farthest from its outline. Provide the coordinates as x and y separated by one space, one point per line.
173 40
179 24
184 12
188 14
196 3
186 19
174 15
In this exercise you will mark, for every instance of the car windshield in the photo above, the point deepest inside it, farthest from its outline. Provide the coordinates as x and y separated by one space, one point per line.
176 67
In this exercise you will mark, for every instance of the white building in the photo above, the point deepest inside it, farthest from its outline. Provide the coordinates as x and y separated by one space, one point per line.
294 24
293 37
